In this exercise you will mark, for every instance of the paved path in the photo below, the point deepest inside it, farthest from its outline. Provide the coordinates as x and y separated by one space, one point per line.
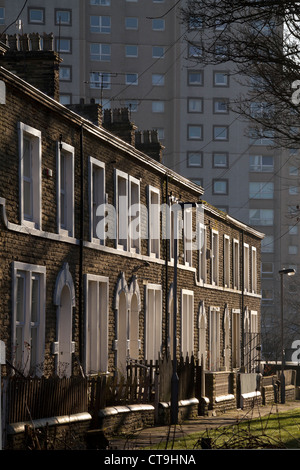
158 434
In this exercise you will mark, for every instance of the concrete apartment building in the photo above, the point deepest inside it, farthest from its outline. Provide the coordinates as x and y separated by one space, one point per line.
135 53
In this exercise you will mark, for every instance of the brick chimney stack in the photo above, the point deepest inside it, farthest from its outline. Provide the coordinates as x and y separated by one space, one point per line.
91 111
37 66
148 143
118 123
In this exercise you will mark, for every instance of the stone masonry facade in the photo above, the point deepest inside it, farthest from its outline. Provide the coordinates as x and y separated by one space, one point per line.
91 293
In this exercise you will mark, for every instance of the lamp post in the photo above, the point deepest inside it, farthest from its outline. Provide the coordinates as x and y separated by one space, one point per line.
282 272
174 380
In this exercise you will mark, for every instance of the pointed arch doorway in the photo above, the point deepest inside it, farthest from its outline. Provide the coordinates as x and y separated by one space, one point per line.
64 299
127 308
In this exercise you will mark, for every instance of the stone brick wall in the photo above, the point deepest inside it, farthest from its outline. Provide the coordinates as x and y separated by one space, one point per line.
56 123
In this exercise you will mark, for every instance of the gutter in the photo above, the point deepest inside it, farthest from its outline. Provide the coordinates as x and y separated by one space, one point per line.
100 132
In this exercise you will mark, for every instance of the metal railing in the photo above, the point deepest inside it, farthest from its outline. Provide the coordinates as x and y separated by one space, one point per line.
252 352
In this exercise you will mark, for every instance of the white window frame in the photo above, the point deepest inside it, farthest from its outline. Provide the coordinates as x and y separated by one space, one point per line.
132 105
158 79
221 106
33 220
134 214
202 253
100 27
187 322
195 105
131 50
202 327
195 51
220 133
254 330
104 3
132 78
223 83
192 135
256 163
64 45
195 159
173 218
153 322
254 269
236 263
236 338
261 190
65 190
58 17
101 55
265 272
158 52
214 257
158 106
130 24
265 217
96 323
100 80
128 215
226 266
158 24
29 272
31 20
121 211
188 236
96 198
65 73
153 223
214 338
194 73
246 273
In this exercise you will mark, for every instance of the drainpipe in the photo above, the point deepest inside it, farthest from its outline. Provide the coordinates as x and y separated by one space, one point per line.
167 271
243 301
81 247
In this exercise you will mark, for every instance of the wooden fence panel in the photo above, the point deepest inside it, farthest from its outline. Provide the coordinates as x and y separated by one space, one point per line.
165 378
35 398
186 376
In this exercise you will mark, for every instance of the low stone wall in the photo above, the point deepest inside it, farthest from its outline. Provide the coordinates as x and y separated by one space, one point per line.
269 389
126 419
57 433
220 392
77 432
187 409
250 400
249 390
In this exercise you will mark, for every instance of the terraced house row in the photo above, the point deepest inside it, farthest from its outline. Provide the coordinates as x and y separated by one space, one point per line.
72 299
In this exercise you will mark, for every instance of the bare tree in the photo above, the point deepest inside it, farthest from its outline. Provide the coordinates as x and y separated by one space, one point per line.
260 42
257 41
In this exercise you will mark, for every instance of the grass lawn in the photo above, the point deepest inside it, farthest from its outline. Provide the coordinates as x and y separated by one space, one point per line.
274 431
